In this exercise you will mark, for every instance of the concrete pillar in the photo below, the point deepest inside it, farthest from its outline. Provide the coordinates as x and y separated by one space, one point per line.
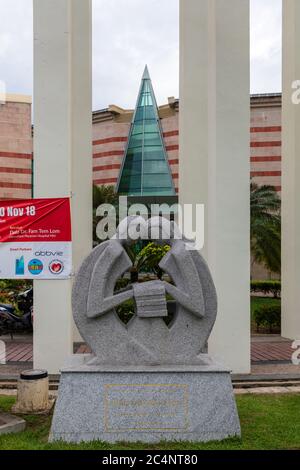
214 157
291 171
62 155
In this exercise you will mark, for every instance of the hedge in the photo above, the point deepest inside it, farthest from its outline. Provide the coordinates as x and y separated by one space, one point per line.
268 316
267 287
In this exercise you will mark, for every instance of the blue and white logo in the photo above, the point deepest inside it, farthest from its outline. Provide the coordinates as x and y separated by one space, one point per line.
35 267
20 267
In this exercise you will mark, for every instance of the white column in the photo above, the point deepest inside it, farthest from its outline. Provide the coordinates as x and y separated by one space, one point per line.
214 157
62 155
291 171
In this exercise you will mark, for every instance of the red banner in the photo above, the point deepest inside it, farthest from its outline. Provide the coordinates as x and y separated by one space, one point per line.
35 239
35 220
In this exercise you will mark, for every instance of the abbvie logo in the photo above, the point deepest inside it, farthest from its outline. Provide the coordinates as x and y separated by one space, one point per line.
53 254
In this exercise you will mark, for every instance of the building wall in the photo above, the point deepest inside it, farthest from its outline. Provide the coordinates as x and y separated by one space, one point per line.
265 153
170 127
111 128
15 148
110 137
109 143
110 132
265 141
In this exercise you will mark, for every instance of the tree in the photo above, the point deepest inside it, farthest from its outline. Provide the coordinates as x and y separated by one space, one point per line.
146 258
266 227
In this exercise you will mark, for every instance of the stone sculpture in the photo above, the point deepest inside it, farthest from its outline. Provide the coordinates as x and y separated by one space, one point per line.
146 340
147 379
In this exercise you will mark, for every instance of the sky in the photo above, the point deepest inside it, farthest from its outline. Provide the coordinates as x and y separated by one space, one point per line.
126 35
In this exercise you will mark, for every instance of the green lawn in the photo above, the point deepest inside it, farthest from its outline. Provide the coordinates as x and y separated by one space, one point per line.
258 302
268 422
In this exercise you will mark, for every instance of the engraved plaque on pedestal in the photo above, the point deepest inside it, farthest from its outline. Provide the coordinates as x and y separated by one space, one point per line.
147 407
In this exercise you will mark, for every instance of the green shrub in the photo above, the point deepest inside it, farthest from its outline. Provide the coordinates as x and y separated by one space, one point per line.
8 287
267 287
150 257
268 316
126 311
145 258
122 283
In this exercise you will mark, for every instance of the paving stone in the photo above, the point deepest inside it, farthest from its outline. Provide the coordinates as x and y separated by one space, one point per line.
11 424
241 391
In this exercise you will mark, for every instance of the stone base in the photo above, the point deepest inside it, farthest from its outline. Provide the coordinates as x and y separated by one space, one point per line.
19 409
144 404
33 394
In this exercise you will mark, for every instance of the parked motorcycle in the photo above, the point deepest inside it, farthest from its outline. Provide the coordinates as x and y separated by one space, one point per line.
10 321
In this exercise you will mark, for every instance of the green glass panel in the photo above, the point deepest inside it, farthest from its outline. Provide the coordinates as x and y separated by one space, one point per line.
135 153
139 114
154 192
145 169
156 180
138 128
134 169
131 185
153 153
146 100
152 167
149 112
152 139
136 140
150 126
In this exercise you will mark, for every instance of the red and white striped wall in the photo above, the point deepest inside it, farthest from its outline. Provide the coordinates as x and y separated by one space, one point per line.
110 140
265 141
109 144
15 148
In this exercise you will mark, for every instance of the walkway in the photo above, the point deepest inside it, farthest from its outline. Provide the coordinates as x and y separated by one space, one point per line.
264 350
270 348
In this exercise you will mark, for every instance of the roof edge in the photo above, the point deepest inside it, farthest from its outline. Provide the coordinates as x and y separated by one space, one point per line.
15 98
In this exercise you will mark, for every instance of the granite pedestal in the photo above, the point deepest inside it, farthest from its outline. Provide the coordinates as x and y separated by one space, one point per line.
144 403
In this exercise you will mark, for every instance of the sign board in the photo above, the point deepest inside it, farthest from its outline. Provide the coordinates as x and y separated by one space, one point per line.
35 239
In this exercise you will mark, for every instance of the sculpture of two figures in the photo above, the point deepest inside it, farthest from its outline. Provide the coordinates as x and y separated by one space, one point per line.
146 339
150 379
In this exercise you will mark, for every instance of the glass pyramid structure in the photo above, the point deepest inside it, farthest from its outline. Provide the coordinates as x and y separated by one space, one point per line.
145 170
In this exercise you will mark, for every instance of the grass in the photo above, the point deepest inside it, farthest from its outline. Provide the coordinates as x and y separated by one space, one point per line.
268 422
257 302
